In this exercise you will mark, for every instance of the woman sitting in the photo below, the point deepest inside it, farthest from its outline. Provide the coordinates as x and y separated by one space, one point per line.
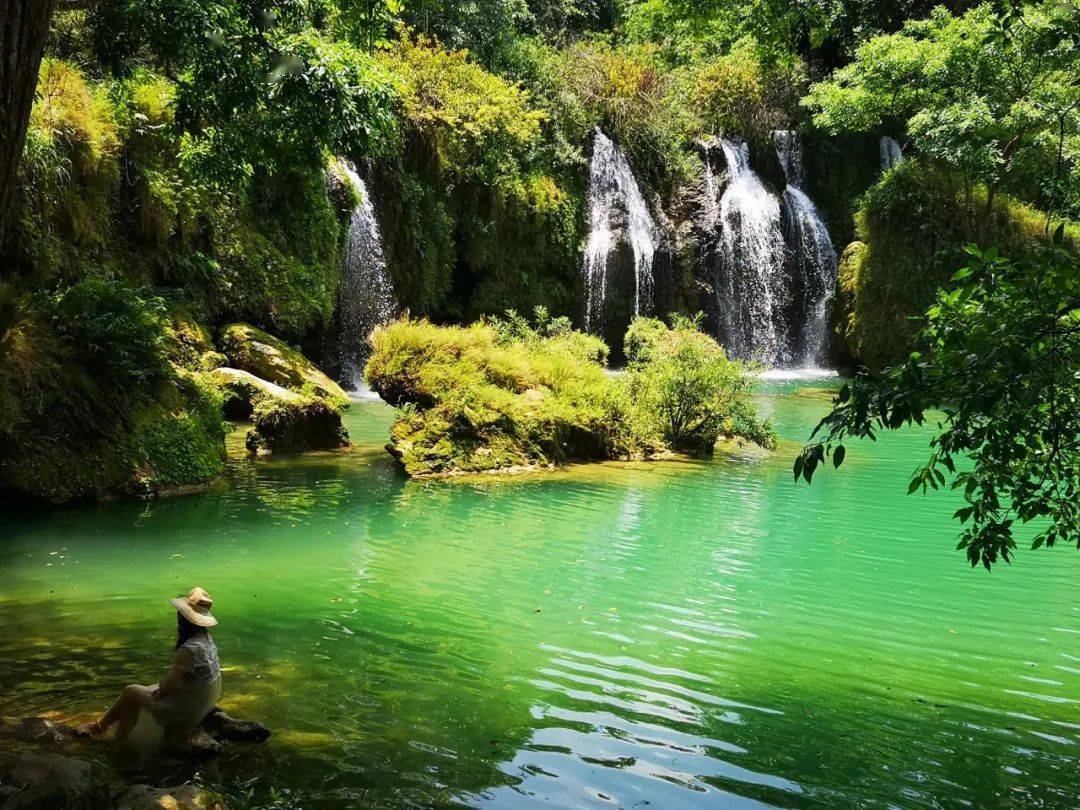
190 688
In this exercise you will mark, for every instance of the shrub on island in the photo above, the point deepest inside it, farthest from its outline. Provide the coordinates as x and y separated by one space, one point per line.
685 388
504 394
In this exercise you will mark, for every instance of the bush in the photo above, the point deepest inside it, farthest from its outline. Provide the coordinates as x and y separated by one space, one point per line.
116 331
479 398
472 120
686 390
739 92
506 393
627 93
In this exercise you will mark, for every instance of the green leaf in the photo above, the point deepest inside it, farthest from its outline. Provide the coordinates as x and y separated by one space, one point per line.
838 455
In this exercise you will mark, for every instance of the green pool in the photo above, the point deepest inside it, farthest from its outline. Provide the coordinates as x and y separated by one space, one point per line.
667 635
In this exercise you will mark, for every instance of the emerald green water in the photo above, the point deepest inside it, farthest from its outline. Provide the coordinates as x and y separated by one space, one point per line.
666 635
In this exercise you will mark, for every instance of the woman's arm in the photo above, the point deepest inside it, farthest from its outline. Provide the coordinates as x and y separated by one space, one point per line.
172 681
174 678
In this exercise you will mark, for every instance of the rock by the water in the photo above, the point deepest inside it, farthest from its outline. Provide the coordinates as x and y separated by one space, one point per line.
189 346
244 391
229 728
47 781
184 797
265 356
43 781
307 423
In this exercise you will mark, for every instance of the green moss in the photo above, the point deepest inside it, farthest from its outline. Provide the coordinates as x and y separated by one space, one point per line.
188 343
911 230
271 359
68 174
90 405
273 256
501 394
295 425
179 443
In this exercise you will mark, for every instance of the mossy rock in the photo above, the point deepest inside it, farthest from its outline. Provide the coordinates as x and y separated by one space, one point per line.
911 231
178 445
253 350
189 345
243 391
842 305
296 425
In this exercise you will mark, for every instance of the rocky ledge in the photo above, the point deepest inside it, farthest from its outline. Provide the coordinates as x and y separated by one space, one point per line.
44 765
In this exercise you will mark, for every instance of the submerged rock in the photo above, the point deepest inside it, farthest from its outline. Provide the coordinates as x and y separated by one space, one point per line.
228 728
184 797
263 355
35 729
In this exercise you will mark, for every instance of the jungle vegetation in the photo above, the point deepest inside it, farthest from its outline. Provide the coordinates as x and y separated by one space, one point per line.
163 176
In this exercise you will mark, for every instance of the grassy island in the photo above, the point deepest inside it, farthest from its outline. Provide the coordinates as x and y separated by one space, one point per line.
506 394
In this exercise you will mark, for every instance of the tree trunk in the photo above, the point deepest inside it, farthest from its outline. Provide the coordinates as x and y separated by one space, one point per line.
24 25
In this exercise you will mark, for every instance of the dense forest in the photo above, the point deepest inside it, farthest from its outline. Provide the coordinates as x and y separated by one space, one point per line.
186 166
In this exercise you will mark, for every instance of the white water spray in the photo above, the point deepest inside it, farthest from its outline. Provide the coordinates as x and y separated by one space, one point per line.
890 152
750 284
613 190
813 258
367 291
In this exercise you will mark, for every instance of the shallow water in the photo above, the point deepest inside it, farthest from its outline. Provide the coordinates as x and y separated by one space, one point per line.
667 635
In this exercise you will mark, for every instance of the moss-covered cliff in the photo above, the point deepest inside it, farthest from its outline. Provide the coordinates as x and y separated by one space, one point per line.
910 233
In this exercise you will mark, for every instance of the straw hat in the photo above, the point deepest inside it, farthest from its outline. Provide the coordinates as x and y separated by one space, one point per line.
195 607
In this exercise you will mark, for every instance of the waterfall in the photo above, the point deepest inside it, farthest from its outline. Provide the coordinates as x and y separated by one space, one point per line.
811 255
367 291
750 286
613 193
890 152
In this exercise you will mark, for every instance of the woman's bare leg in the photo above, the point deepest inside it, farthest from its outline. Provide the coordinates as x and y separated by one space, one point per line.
125 711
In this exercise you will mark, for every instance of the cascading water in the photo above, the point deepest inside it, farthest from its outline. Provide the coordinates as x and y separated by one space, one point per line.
890 152
750 287
612 193
812 258
367 291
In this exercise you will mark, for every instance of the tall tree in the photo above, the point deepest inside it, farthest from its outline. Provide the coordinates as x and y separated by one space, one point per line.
23 30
